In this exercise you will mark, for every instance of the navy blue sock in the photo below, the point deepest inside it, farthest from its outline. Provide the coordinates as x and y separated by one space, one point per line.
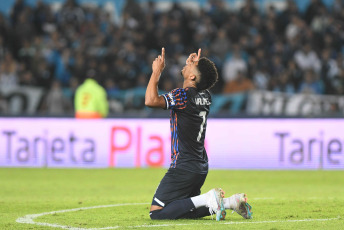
173 210
197 213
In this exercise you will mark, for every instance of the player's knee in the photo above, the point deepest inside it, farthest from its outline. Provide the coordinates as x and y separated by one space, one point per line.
156 215
155 211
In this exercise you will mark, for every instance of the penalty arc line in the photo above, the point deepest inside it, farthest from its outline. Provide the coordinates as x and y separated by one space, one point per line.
29 219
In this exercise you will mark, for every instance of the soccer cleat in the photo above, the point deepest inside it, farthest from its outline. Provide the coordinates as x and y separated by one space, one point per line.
215 203
242 207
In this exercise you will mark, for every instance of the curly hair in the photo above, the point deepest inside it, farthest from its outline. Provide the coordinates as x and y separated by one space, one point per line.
209 75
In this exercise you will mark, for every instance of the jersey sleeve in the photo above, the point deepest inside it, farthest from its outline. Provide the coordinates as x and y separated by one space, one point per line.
176 99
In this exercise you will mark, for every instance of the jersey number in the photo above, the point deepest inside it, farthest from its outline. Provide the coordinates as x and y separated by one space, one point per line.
201 114
85 99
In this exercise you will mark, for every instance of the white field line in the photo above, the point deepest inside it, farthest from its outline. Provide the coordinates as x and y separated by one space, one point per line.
232 222
286 198
29 219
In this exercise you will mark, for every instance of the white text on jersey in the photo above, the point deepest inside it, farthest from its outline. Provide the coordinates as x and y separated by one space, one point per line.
202 101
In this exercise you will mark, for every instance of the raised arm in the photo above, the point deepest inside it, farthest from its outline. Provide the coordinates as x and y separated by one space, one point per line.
152 98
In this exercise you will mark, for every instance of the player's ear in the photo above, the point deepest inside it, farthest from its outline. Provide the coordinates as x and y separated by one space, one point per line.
193 77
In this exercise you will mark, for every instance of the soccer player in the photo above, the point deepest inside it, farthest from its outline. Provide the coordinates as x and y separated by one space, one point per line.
178 194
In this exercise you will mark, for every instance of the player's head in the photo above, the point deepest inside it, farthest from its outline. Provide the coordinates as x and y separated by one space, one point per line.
202 72
208 74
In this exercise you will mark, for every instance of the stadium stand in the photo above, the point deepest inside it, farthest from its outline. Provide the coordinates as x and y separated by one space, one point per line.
277 47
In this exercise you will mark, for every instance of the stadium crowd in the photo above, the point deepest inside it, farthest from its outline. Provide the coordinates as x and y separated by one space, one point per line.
278 50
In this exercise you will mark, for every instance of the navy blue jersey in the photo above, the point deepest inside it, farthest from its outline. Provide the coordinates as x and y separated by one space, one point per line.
189 112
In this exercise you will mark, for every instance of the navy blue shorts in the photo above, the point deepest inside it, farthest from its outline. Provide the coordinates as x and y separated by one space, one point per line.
178 184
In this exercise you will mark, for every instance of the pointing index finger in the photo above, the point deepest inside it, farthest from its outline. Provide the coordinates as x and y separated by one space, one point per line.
199 54
163 53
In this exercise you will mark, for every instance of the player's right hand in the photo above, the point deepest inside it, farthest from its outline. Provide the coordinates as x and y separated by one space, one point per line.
159 62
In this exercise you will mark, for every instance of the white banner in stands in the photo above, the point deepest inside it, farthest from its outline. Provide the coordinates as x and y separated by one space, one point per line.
283 104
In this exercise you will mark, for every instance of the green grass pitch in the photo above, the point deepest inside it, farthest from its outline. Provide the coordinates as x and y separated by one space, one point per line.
280 199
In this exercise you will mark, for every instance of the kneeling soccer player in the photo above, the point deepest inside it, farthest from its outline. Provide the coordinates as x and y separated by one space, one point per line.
178 194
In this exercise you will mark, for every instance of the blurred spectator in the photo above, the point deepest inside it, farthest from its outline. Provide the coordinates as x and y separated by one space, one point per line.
111 88
233 66
22 30
321 20
3 49
55 103
103 73
90 98
337 7
284 84
71 13
312 10
284 18
294 28
238 85
27 79
306 59
3 105
63 61
329 69
43 74
261 79
9 72
41 13
338 83
69 91
115 95
17 9
247 12
295 73
234 93
310 84
78 69
221 44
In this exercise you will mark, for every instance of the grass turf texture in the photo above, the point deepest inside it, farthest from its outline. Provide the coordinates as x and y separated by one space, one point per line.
281 196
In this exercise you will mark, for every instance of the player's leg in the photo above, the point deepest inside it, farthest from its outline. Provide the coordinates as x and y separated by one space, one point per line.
194 207
238 203
197 213
173 210
200 202
208 204
201 211
172 198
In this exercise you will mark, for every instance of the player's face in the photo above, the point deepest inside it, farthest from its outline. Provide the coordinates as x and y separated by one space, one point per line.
190 69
